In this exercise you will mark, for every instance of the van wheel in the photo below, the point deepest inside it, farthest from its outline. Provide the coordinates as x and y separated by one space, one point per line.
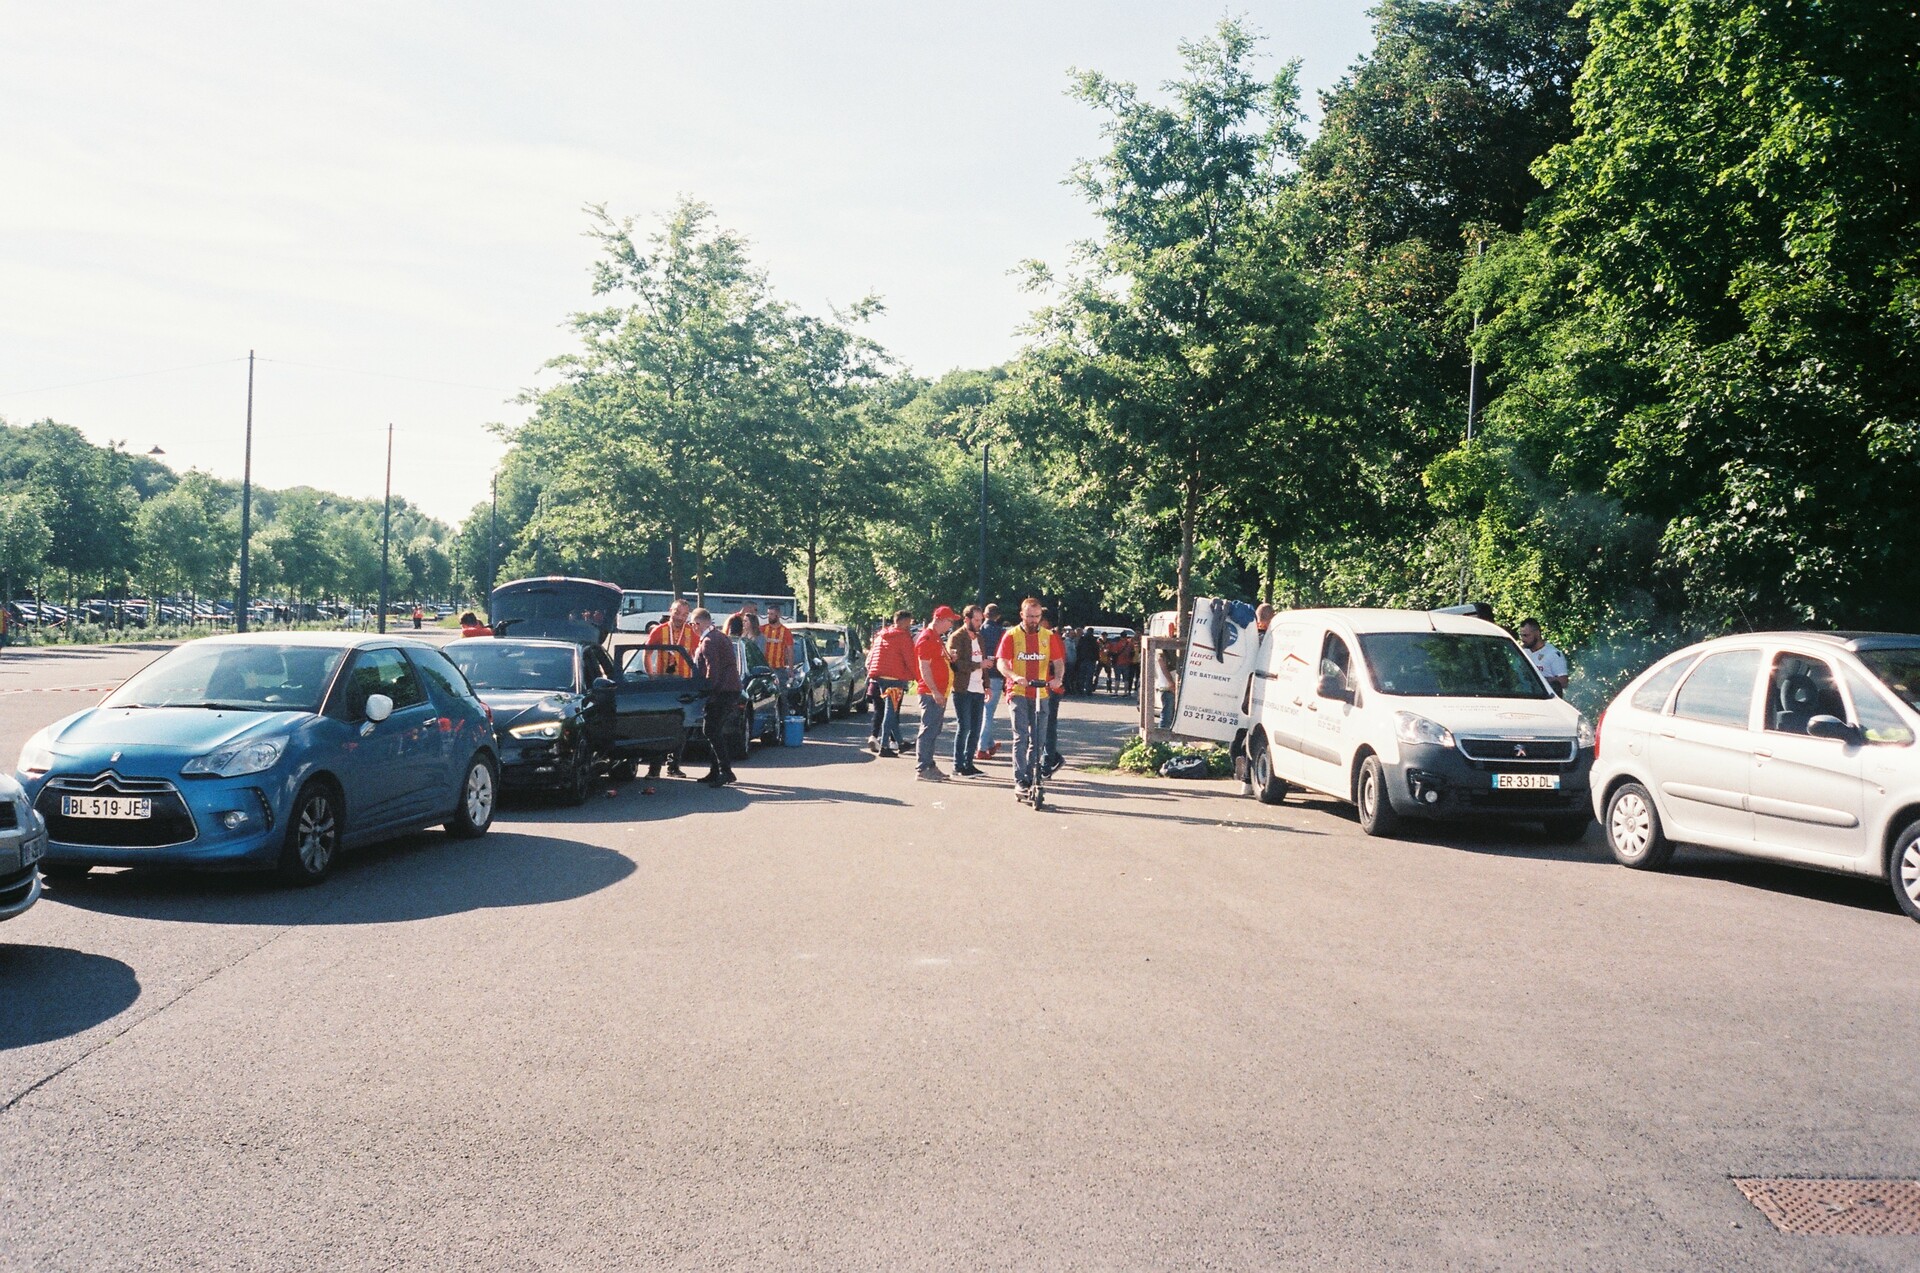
1269 789
1633 829
1377 814
1903 869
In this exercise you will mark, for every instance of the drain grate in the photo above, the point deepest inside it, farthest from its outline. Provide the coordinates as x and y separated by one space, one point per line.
1849 1208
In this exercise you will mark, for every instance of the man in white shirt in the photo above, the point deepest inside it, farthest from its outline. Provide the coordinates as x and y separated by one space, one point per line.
1551 664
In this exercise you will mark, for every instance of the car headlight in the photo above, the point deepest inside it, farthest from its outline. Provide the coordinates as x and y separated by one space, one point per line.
1418 729
1584 732
548 729
249 757
36 757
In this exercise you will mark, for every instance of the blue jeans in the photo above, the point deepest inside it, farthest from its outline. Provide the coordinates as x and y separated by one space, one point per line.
889 724
933 715
1029 736
966 726
996 690
1169 704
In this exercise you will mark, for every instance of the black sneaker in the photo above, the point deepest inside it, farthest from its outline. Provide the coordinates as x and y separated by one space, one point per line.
888 752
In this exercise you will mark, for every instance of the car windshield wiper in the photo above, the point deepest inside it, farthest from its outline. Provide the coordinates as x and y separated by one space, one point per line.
235 707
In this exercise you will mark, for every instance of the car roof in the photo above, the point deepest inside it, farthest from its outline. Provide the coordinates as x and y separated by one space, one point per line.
329 640
1363 622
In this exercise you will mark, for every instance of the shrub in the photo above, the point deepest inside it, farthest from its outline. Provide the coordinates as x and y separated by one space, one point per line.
1142 757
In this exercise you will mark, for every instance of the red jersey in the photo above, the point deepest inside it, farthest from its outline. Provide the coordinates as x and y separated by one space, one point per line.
1032 654
932 649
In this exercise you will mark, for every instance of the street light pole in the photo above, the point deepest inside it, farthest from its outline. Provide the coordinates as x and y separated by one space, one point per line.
386 529
493 535
982 598
243 601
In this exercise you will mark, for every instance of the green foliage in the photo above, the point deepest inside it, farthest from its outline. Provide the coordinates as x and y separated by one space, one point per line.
1142 757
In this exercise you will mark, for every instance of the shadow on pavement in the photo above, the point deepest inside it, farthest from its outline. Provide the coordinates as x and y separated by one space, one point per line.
50 992
424 876
1857 891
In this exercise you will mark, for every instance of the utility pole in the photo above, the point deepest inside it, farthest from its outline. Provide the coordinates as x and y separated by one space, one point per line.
242 602
982 598
386 529
1473 353
493 537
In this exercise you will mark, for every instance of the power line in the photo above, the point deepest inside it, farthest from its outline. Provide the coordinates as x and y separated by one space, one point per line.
131 375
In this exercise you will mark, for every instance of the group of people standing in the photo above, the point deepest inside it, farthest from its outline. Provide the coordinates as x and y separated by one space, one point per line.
969 661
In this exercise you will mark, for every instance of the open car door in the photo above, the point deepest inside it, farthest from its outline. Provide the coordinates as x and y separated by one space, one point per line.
658 702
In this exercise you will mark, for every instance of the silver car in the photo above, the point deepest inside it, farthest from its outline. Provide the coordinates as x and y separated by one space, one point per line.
1793 746
23 842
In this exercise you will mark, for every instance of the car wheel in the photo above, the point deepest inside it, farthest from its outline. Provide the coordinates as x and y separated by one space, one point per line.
1633 829
860 704
742 743
1569 828
1269 789
623 770
64 872
478 791
581 783
1377 814
1903 870
313 835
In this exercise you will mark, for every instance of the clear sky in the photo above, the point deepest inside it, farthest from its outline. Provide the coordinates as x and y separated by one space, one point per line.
368 191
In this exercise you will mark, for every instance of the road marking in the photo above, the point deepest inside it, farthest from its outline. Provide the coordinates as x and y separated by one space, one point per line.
61 689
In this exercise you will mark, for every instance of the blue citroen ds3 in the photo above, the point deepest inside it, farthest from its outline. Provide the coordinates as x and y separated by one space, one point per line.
265 751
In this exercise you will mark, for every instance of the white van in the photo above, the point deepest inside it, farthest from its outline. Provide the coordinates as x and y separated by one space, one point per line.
1411 713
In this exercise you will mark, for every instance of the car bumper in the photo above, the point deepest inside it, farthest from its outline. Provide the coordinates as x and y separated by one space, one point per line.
225 824
19 890
1431 781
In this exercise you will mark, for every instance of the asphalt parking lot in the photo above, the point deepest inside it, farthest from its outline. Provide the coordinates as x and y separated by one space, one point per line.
836 1018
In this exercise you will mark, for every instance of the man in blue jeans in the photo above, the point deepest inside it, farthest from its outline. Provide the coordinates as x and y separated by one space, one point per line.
991 630
1031 660
969 656
934 680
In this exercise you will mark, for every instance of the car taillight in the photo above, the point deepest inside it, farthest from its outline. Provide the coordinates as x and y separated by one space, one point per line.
1597 727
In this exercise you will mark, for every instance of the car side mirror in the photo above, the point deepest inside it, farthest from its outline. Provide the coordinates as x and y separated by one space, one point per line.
819 665
1333 686
1833 727
602 683
378 708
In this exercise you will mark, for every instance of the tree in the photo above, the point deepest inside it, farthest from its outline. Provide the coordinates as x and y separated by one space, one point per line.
25 540
1183 328
667 404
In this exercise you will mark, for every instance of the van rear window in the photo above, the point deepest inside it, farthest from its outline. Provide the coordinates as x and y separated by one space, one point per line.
1450 665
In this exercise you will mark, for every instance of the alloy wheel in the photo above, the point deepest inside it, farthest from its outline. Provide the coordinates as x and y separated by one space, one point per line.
1910 872
319 833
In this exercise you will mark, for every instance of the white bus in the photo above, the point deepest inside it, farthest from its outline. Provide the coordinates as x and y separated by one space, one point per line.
640 609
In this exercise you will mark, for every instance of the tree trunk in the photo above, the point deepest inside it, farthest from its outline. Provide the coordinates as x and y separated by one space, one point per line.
700 569
1183 591
1266 580
673 564
813 572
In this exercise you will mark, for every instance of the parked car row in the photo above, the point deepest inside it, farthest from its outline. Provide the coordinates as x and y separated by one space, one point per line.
1795 747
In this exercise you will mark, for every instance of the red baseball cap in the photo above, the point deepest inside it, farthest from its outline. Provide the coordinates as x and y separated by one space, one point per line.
945 612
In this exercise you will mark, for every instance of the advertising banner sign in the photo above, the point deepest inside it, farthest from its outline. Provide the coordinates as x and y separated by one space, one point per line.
1213 682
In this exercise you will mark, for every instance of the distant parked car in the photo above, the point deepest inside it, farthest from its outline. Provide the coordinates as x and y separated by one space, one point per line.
1794 746
846 658
264 751
807 682
23 840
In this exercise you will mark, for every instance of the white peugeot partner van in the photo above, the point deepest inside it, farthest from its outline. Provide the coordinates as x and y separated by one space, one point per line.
1412 713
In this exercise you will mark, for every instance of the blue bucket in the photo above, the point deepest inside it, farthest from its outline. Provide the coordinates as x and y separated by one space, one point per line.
793 730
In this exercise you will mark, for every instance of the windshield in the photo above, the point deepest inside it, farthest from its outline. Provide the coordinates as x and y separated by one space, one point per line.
1898 670
1450 665
566 609
249 678
832 643
505 666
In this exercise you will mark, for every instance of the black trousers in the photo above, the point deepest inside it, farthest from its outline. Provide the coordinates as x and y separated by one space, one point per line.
723 711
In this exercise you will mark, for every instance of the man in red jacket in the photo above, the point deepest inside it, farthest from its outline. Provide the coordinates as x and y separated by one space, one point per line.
893 670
